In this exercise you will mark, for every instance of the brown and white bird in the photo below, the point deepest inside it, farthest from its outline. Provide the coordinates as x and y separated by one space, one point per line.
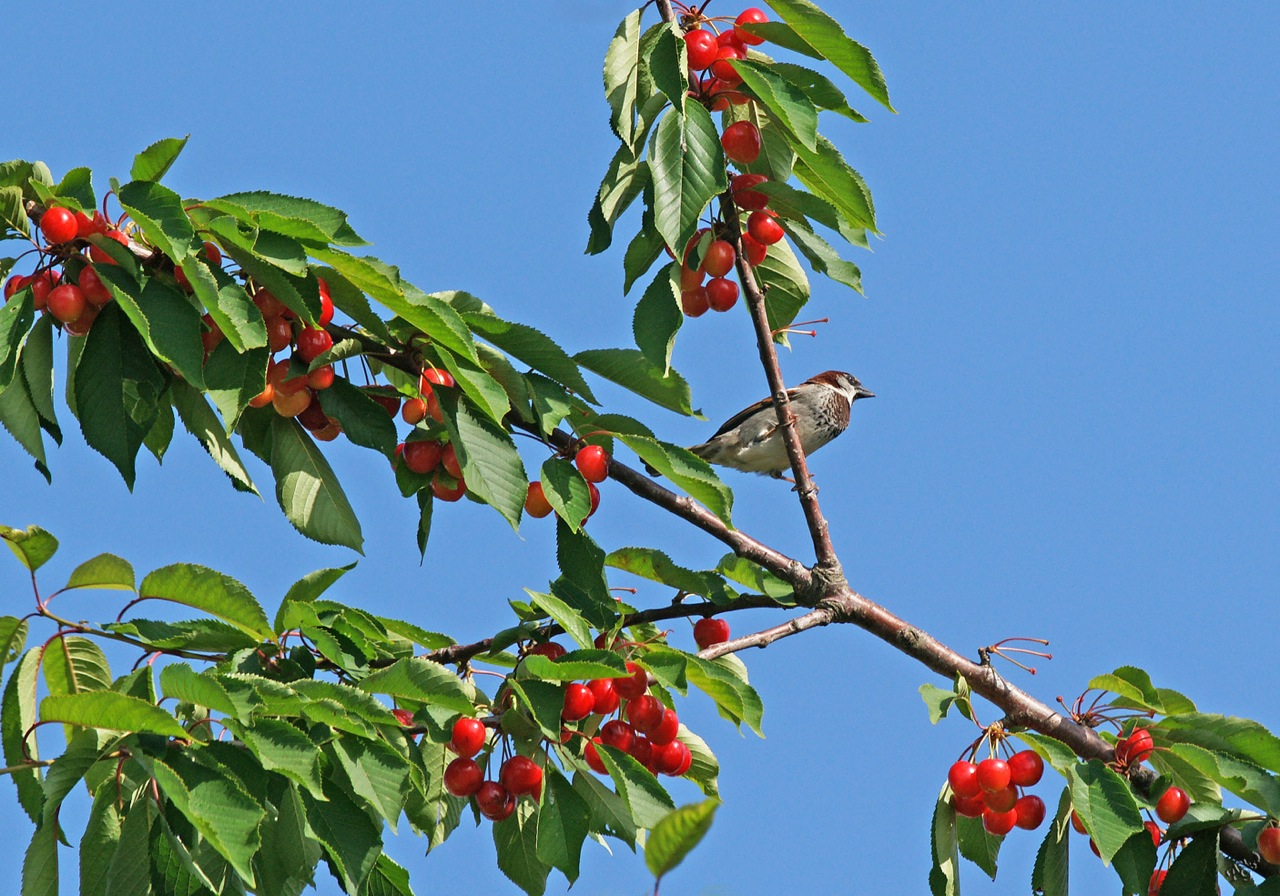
751 440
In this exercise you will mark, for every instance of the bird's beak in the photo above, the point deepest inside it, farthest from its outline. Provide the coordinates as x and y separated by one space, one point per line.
863 392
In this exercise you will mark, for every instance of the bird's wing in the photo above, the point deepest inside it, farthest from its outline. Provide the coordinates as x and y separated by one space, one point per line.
736 419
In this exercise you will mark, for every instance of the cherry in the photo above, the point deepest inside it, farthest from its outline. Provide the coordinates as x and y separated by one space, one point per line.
100 255
764 229
1094 846
969 806
752 16
81 325
13 284
719 258
447 490
673 759
463 777
645 713
468 736
434 410
326 302
1156 882
278 375
58 225
743 194
535 502
702 48
963 778
212 253
389 400
434 376
579 702
642 751
665 731
722 294
263 398
313 417
550 649
86 226
421 456
723 68
495 802
1269 845
695 302
1077 822
95 291
313 342
752 250
741 142
729 39
279 333
606 696
592 755
999 823
593 463
66 303
328 432
521 775
633 684
269 305
414 410
1135 748
1026 768
42 284
1001 800
449 460
321 378
594 494
1173 805
1030 812
1154 830
993 774
617 734
710 631
403 716
690 279
290 404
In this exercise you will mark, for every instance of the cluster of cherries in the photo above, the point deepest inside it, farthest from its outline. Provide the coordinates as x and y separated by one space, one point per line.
711 55
463 777
421 453
990 790
592 462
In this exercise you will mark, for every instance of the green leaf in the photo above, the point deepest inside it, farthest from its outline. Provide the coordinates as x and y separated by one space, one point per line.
687 470
160 435
563 615
1106 806
233 379
790 202
828 176
17 715
386 879
1134 863
1051 872
312 585
491 465
644 797
577 664
158 213
13 637
19 416
667 61
16 316
117 387
73 665
98 845
303 219
363 421
776 154
1131 684
420 680
582 562
164 317
516 842
609 815
705 769
630 369
1243 738
687 164
350 837
675 836
658 318
977 845
376 772
626 178
562 825
937 700
1195 870
201 421
532 347
180 681
1242 778
485 392
622 76
110 711
788 287
753 576
825 35
944 876
783 35
1058 755
40 864
349 299
788 104
209 591
723 682
208 635
818 88
13 212
566 491
654 565
823 258
642 252
32 545
228 304
156 159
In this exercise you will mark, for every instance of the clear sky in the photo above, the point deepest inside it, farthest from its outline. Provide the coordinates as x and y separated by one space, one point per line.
1071 324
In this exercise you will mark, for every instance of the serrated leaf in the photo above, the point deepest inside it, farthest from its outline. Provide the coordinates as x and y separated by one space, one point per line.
561 825
363 421
516 843
1051 872
13 636
1195 870
675 836
233 379
1239 737
36 369
153 162
180 681
735 699
576 664
532 347
788 104
485 392
977 845
376 772
828 39
565 616
822 257
200 420
643 250
73 664
644 797
1240 777
937 700
630 369
16 317
1106 806
40 863
818 88
491 465
625 179
13 212
294 216
656 566
1058 755
164 317
227 303
658 317
828 176
158 212
944 847
566 491
209 591
1131 684
687 470
419 680
788 287
686 162
98 845
18 715
622 76
32 545
110 711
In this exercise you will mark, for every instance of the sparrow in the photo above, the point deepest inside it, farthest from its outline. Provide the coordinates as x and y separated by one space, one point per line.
751 440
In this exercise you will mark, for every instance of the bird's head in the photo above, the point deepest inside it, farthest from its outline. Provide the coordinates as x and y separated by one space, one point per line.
845 383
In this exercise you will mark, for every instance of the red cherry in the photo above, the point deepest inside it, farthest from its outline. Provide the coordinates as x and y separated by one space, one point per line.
594 493
66 303
665 731
606 696
290 404
645 713
723 68
321 378
434 376
764 229
642 751
42 284
468 736
632 685
326 303
550 649
449 460
313 342
403 716
993 774
1269 845
1001 800
422 456
592 756
710 631
269 305
1154 830
263 398
695 302
86 226
1173 805
617 734
279 334
328 433
741 142
414 410
445 489
389 400
752 250
535 502
278 375
81 325
673 759
521 775
463 777
212 253
719 258
963 778
1135 748
593 463
691 279
1077 822
1156 882
1030 812
702 48
579 702
1094 846
729 39
100 256
752 16
743 194
495 802
95 291
58 225
1026 768
313 417
968 806
722 294
13 284
999 823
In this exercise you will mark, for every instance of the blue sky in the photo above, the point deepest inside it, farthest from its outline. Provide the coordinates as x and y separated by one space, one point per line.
1070 322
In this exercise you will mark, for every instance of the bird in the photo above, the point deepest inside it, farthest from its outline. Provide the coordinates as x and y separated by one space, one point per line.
751 440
